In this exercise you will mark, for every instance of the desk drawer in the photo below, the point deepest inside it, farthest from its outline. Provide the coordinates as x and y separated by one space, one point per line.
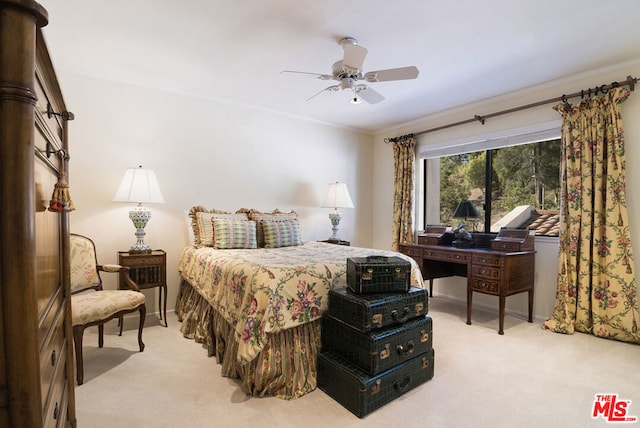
485 285
485 271
506 246
414 252
447 256
486 260
411 251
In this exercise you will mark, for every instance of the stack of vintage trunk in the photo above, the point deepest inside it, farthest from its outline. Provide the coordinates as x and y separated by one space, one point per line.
376 336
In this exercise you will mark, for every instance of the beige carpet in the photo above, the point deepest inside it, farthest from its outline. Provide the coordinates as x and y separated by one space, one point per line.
526 378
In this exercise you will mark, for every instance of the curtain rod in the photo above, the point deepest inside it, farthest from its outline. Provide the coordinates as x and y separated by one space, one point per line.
630 82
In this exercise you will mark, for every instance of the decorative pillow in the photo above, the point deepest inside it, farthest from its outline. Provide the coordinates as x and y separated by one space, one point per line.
189 221
195 226
205 227
233 233
281 233
259 217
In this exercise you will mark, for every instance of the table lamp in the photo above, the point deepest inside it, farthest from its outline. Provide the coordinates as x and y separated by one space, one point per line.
337 197
139 186
464 210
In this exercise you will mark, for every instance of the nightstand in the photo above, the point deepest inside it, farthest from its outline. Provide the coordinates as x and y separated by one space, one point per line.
337 242
148 271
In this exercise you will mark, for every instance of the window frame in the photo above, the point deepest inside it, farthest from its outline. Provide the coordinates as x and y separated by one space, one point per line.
426 197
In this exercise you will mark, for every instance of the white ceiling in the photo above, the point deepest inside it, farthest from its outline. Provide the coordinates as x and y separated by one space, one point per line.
234 50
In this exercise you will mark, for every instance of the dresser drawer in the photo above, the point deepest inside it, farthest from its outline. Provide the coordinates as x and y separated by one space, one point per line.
49 317
51 127
54 406
63 418
51 352
485 285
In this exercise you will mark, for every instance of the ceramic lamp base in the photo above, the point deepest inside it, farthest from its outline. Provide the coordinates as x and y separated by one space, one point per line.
140 216
335 222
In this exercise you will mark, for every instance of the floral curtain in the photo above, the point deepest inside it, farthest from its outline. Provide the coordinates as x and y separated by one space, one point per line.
596 290
404 158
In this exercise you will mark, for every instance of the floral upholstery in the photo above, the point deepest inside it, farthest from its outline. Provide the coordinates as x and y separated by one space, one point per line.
84 272
92 306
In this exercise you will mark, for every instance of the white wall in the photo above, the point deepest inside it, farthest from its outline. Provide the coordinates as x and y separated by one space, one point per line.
204 153
226 156
547 249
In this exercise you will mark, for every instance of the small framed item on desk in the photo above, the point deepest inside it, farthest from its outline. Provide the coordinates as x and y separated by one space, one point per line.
148 270
337 242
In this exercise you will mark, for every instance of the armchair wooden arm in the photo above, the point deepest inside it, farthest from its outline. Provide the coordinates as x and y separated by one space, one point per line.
117 269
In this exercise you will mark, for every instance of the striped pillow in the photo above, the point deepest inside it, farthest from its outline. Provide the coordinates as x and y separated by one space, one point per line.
231 233
281 233
205 226
276 215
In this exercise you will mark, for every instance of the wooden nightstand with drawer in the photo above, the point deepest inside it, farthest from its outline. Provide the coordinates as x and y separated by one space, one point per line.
148 271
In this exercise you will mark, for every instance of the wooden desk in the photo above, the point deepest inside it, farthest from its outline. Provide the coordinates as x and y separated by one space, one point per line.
499 273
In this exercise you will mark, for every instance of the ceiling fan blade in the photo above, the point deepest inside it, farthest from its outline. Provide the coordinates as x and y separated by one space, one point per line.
402 73
354 56
318 75
328 88
368 94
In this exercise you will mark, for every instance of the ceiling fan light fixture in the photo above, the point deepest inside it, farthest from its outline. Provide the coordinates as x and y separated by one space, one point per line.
348 71
347 83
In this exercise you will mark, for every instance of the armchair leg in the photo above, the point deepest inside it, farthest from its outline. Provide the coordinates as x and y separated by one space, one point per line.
100 335
78 331
143 315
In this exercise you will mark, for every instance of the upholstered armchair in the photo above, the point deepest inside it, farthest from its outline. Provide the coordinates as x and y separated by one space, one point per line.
90 304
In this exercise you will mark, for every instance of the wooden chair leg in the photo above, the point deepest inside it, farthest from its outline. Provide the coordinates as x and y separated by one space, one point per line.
143 315
121 323
100 335
78 331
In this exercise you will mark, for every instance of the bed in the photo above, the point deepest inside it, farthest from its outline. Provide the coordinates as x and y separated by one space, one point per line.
256 305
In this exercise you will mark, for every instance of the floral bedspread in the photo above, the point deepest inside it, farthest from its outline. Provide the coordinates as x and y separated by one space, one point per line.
262 291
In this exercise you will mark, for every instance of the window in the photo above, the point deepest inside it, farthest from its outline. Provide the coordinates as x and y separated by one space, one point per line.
523 189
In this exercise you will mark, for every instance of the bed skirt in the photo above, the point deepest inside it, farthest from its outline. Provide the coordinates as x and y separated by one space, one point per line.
285 368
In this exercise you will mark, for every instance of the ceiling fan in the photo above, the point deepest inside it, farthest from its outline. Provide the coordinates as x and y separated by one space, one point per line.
348 71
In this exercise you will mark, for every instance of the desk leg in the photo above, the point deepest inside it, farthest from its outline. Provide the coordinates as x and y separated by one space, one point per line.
431 287
531 305
501 314
469 301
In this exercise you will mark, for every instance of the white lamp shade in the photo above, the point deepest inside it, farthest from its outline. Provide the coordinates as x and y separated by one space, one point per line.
338 196
140 186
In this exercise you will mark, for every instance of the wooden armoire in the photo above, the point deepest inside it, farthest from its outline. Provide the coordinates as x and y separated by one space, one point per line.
36 350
